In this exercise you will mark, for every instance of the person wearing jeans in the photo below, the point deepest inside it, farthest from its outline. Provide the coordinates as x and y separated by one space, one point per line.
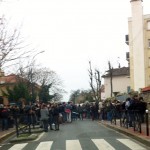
68 109
4 115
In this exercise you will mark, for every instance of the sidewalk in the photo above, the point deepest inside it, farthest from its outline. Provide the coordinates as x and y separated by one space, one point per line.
4 135
7 133
141 137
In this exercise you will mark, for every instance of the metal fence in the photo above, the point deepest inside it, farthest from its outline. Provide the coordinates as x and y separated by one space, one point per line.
132 118
23 123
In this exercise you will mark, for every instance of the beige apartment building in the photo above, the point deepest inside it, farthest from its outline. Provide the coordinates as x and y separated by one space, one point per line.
139 46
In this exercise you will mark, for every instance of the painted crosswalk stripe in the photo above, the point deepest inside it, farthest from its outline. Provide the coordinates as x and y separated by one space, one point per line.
102 144
73 145
132 145
18 146
44 145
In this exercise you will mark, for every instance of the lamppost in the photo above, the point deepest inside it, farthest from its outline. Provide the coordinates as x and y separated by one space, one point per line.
31 76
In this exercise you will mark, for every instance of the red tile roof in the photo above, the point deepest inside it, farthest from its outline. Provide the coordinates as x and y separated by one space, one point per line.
146 89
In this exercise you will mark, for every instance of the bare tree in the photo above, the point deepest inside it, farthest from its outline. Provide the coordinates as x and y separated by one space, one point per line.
98 82
11 44
43 77
96 89
47 76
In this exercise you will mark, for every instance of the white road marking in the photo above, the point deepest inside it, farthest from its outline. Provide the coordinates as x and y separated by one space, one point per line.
73 145
18 146
40 136
44 145
102 144
132 145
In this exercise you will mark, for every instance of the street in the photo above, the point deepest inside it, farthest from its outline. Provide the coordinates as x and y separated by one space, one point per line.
79 135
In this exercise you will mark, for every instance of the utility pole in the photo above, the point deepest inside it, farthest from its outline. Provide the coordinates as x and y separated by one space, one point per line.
111 76
31 77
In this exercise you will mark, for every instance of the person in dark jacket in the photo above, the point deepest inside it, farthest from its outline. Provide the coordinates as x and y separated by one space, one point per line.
132 108
5 115
56 116
80 111
142 108
51 120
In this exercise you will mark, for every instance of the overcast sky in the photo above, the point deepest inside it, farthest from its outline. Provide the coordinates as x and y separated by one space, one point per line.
73 32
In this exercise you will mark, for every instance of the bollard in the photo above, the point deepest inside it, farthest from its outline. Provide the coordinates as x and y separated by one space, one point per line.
29 128
147 123
115 118
16 123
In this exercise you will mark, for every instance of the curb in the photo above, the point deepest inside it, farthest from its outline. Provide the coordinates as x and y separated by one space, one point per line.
22 139
7 135
136 137
13 132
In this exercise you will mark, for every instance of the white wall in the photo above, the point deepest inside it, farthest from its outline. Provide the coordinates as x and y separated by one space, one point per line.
138 44
120 84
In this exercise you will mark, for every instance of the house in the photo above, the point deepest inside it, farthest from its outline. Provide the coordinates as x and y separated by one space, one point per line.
10 81
102 92
120 81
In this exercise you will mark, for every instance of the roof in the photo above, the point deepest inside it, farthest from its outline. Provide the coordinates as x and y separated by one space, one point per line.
12 79
124 71
146 89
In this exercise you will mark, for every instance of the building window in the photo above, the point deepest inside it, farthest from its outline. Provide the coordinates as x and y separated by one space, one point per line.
148 43
148 25
128 89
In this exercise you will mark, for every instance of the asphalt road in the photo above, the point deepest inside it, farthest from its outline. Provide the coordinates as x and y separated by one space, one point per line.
79 135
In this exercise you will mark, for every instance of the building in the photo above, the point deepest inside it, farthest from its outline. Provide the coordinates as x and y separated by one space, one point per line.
10 81
120 81
139 46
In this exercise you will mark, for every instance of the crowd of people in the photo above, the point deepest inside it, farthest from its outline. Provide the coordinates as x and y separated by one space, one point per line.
46 115
53 114
130 107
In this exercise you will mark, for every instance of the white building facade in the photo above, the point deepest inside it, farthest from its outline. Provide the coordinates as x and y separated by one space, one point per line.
120 81
136 44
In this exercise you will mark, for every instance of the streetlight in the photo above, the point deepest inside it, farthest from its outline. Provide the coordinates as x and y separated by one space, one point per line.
32 89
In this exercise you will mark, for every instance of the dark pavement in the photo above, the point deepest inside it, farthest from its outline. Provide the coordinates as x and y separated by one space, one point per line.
85 135
142 137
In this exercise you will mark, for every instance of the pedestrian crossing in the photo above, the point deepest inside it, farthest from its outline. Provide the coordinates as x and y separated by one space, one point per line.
131 144
100 144
18 146
45 145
